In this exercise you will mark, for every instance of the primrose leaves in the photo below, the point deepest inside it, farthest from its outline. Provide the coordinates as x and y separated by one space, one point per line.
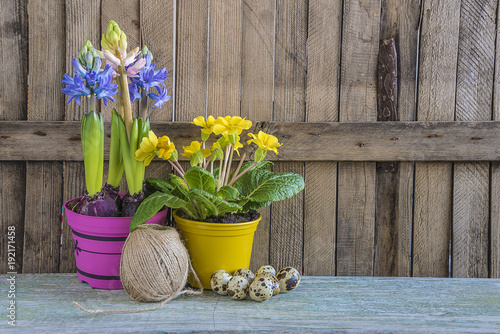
228 192
214 205
152 204
199 178
264 186
159 184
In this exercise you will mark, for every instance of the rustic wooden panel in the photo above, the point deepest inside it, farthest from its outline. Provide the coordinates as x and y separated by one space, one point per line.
83 23
224 69
376 141
42 230
191 64
358 103
495 221
436 100
475 71
257 69
494 270
13 106
395 179
126 15
320 203
320 304
289 105
157 19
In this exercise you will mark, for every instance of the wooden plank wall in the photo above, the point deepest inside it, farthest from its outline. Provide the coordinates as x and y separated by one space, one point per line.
286 61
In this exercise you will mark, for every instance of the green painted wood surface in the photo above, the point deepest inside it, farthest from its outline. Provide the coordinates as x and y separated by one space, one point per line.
327 304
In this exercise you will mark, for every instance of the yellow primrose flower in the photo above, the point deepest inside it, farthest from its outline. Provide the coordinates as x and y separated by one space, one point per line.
165 147
237 145
206 125
147 150
195 147
265 141
231 125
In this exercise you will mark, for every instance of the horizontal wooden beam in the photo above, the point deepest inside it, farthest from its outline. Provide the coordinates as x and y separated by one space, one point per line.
374 141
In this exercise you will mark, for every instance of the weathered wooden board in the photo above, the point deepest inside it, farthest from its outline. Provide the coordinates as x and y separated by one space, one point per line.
82 24
398 21
436 101
358 103
475 71
320 195
13 106
191 60
324 304
44 191
257 69
287 217
375 141
155 14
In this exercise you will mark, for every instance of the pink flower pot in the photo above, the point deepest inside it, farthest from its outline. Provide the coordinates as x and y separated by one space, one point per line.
98 243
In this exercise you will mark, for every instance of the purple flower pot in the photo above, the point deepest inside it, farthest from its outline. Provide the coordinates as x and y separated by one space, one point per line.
98 243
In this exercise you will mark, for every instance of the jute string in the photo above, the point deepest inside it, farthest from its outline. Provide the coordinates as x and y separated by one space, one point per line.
154 267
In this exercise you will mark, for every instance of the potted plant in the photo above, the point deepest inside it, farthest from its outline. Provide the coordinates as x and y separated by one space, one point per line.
100 219
215 204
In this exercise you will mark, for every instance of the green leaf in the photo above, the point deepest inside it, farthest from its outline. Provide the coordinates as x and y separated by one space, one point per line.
199 178
249 205
267 186
261 165
152 204
160 184
177 181
228 192
214 205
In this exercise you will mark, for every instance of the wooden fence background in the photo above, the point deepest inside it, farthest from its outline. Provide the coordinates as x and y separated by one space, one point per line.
419 196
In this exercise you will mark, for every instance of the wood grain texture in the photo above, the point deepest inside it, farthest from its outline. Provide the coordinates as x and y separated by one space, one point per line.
42 229
358 103
475 72
161 43
224 68
287 217
83 23
436 101
126 14
377 141
399 20
494 270
321 304
13 106
320 195
257 69
192 62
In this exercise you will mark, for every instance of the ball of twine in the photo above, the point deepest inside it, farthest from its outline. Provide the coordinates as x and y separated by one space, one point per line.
154 267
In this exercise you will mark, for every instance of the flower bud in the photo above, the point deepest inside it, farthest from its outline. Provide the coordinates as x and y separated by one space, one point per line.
260 155
114 39
175 156
145 51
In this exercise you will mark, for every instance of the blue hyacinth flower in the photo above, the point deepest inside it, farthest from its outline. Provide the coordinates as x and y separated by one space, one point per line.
160 98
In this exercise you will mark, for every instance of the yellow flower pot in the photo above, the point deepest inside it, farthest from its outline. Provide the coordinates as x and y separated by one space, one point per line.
214 247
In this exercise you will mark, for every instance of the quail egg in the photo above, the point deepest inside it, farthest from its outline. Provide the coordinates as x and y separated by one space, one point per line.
218 281
247 273
266 269
262 288
289 279
237 287
276 283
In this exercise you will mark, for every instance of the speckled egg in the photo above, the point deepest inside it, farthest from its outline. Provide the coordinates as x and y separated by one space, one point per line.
276 283
237 287
289 279
262 288
218 281
265 269
247 273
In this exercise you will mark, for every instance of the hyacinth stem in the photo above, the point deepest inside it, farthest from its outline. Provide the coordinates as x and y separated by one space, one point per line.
125 97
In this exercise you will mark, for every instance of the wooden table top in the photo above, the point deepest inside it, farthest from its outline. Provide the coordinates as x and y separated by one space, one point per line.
326 304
